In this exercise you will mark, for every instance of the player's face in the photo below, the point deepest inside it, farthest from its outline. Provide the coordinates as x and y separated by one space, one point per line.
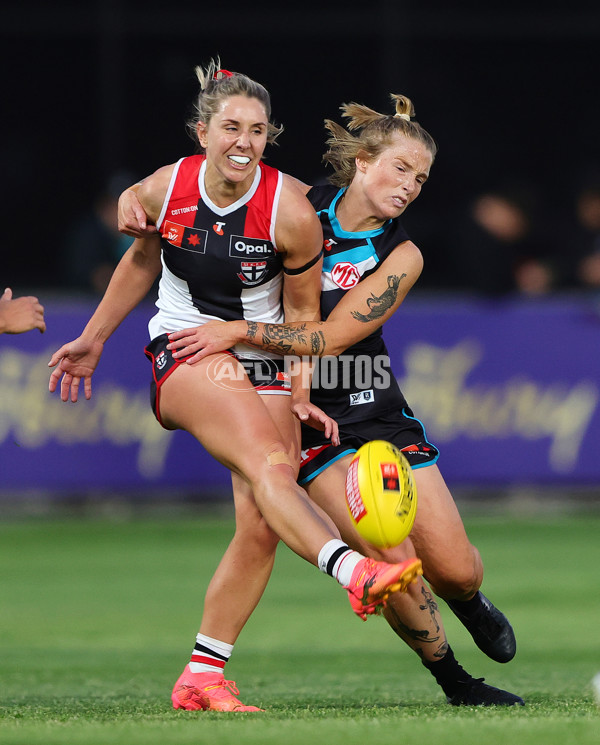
394 179
234 140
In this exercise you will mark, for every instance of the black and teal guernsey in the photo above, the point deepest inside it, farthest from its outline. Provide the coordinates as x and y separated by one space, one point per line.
359 384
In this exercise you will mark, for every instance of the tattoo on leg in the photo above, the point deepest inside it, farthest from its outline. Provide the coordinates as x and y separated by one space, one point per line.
378 305
416 635
442 650
430 605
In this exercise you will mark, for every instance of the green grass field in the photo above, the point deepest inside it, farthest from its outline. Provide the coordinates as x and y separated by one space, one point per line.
98 617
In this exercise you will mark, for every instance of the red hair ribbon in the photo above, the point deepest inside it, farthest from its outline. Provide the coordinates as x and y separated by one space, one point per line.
222 74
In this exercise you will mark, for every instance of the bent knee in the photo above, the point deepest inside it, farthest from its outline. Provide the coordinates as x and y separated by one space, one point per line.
456 580
257 535
275 464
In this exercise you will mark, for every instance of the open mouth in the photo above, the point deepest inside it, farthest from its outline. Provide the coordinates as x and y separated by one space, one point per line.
241 160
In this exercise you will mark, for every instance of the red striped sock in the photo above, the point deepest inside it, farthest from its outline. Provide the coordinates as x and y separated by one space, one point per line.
209 655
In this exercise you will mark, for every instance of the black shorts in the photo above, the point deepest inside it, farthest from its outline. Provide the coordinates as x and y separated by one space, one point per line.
398 427
266 375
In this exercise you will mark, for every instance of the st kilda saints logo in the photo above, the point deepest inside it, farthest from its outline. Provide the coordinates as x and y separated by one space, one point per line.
161 360
251 272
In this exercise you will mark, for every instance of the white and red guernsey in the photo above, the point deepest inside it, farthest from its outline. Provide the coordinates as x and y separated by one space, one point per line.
218 262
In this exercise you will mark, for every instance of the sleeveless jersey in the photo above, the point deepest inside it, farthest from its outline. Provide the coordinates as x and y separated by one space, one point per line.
359 384
218 262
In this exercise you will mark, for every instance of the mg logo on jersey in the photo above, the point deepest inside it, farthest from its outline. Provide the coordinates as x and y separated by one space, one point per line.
252 272
250 248
218 228
345 275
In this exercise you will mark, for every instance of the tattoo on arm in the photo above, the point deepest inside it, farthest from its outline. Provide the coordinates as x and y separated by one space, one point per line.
378 305
252 330
317 342
284 338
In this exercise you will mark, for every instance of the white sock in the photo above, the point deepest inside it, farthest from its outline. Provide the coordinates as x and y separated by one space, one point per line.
209 655
339 561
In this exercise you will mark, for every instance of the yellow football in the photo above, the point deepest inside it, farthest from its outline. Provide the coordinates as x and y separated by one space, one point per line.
380 494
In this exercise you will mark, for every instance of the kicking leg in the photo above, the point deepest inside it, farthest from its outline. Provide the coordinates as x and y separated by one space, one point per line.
414 616
453 566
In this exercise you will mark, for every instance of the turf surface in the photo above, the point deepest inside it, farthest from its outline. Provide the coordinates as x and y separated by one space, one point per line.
98 618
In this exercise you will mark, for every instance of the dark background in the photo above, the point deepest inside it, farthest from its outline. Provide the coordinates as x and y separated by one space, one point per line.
509 91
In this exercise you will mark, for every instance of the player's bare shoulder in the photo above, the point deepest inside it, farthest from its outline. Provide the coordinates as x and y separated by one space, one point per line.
406 259
298 227
292 181
153 190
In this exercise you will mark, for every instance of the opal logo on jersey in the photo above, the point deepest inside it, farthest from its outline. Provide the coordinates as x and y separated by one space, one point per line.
345 275
249 248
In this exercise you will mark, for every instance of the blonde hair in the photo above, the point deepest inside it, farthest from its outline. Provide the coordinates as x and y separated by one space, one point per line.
375 132
215 86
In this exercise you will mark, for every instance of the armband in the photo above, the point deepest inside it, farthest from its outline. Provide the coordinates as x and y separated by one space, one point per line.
302 269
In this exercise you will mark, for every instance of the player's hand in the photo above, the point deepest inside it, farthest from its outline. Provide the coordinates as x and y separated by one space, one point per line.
315 417
20 314
76 360
201 341
132 219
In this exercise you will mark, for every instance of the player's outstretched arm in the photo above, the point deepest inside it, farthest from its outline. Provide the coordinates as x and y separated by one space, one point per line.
361 311
129 285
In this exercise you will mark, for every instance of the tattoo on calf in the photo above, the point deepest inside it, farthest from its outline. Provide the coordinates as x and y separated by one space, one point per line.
442 650
415 635
430 605
378 305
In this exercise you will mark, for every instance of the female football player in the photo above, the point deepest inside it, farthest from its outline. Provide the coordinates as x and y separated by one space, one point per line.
370 264
211 209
